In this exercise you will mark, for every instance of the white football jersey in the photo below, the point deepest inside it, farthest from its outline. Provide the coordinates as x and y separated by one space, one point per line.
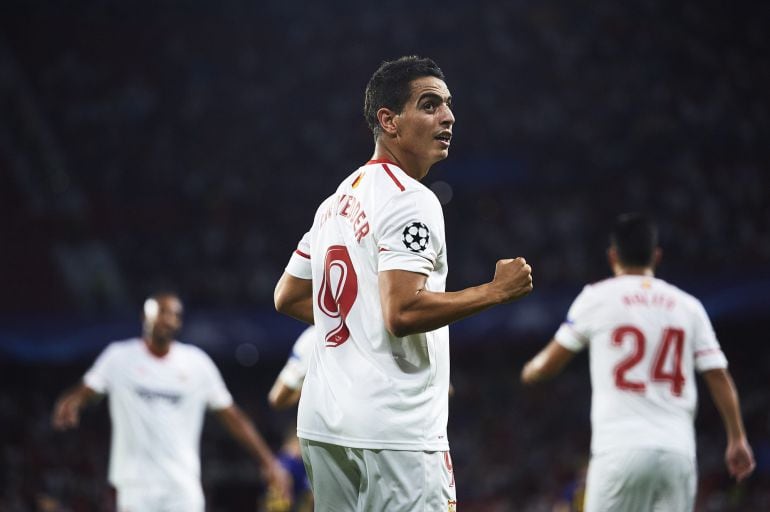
293 373
366 388
157 405
646 339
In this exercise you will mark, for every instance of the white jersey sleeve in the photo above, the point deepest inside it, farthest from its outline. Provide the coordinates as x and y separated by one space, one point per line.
576 331
299 263
410 237
98 377
293 373
708 354
217 396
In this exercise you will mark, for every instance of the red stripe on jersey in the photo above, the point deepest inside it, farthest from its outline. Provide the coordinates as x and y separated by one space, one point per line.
390 173
302 254
383 249
381 161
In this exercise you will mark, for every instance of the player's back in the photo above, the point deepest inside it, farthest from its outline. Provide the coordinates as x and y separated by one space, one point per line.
361 230
647 338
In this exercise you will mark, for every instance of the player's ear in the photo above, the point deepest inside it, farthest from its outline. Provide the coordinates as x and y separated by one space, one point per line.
387 120
612 256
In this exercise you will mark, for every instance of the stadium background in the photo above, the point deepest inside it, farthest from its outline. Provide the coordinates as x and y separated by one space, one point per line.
153 145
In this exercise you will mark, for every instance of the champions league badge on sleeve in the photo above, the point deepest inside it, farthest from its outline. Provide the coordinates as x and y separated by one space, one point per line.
416 236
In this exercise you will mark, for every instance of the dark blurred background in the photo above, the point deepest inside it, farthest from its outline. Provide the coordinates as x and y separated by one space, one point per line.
150 145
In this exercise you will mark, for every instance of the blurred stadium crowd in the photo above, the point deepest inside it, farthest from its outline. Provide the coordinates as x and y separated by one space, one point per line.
152 148
144 147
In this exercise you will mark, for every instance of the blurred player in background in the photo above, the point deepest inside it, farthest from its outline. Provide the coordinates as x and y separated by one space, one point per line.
288 385
159 390
646 338
371 275
285 393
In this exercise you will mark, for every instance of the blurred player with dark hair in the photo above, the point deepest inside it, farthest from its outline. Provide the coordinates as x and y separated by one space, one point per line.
646 338
159 390
371 275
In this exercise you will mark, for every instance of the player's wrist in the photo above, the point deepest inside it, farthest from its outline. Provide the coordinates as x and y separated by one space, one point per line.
494 294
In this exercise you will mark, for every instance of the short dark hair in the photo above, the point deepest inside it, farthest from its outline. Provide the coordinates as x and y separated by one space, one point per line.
389 86
635 237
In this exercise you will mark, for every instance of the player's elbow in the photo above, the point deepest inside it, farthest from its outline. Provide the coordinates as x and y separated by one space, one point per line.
275 402
284 300
282 396
535 371
398 324
280 404
528 377
281 302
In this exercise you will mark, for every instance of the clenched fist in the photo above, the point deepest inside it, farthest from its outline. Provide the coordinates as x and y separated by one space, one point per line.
513 279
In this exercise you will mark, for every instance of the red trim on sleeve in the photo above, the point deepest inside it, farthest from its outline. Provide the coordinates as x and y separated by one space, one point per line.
393 177
302 254
383 249
706 352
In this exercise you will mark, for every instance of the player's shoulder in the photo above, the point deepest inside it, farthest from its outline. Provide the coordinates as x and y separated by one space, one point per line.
304 341
129 345
604 290
598 288
681 295
196 355
392 180
308 334
601 283
191 351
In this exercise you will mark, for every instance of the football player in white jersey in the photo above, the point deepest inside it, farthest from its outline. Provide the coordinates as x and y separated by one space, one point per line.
646 339
288 385
370 274
285 393
159 390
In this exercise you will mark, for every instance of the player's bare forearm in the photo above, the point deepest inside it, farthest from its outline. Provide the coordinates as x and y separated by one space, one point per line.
66 411
725 398
409 308
739 456
294 297
243 430
548 363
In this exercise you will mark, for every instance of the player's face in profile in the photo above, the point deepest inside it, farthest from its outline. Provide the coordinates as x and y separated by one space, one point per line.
166 321
425 124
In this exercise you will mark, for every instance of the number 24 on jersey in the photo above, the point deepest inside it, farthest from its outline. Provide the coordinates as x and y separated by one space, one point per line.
670 349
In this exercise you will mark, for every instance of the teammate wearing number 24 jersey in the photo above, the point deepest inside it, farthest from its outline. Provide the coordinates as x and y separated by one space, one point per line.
646 338
371 274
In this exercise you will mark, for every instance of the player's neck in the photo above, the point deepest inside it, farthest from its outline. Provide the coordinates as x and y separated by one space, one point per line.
158 348
633 271
412 168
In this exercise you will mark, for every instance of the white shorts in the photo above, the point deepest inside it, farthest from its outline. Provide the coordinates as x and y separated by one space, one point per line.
138 498
643 480
364 480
